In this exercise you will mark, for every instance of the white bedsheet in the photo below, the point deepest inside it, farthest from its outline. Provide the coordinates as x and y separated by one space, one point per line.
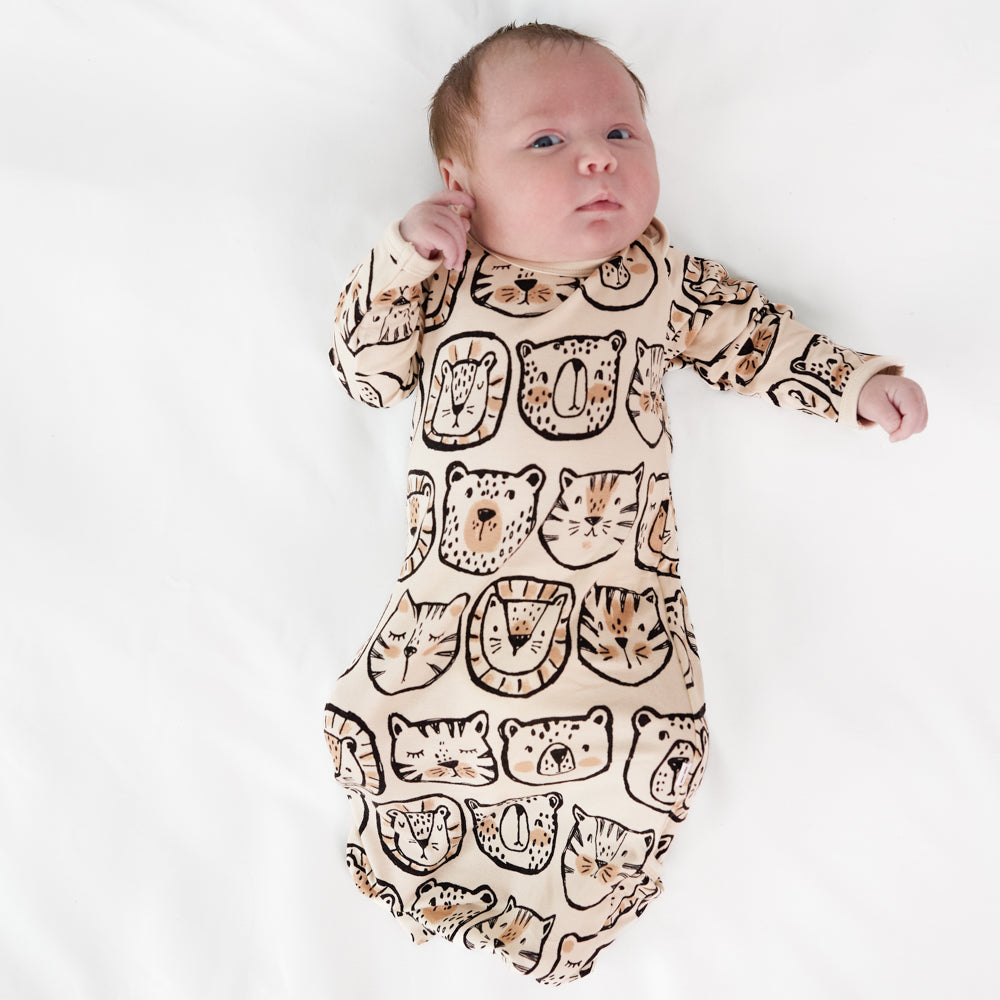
193 516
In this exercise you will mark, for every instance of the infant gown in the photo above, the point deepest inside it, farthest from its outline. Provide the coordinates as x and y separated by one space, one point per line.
524 728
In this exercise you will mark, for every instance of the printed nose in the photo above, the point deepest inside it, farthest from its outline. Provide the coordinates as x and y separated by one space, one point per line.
485 514
621 640
450 764
592 520
526 284
559 754
517 641
409 650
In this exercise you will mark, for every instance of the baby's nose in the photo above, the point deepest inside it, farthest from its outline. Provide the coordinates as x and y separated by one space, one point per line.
597 158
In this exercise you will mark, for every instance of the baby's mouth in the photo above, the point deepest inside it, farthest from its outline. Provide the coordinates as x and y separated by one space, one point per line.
602 203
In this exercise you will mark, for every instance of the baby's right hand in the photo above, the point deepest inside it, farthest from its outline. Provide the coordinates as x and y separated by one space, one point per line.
437 227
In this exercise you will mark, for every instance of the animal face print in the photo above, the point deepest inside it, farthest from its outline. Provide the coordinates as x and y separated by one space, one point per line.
441 287
667 760
825 361
754 353
656 539
568 386
591 518
792 392
352 746
645 392
675 620
468 388
632 897
517 936
707 283
518 637
416 645
621 635
419 520
452 750
364 878
576 958
546 751
624 282
422 834
516 291
600 855
487 516
394 316
442 908
517 834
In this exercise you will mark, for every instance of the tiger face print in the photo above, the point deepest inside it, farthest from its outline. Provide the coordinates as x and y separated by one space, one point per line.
645 402
600 855
621 635
420 835
355 761
443 908
623 282
825 361
419 521
517 834
451 750
656 539
416 645
568 386
518 637
592 517
516 291
467 391
667 760
517 936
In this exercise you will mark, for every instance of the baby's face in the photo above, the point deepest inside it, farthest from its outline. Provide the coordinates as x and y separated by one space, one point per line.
563 166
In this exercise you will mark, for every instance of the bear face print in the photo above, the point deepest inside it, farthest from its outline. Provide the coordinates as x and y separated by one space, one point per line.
443 908
517 834
623 282
568 386
545 751
516 291
467 392
488 515
352 746
667 760
420 835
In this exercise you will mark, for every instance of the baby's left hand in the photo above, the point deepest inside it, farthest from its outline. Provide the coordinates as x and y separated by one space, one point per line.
895 403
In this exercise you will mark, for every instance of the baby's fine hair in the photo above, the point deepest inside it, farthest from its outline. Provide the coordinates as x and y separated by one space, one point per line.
455 106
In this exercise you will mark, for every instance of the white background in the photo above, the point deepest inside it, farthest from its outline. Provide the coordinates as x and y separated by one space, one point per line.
198 528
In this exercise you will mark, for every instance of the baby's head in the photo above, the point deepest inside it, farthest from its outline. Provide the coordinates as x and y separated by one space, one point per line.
546 129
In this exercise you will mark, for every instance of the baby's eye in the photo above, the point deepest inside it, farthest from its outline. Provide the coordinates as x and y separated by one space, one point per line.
619 133
545 142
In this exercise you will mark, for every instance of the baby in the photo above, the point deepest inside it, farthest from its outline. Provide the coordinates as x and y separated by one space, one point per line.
525 727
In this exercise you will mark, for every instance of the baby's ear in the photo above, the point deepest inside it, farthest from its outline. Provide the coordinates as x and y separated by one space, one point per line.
454 174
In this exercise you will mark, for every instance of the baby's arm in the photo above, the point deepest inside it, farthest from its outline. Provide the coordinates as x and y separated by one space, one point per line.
437 227
895 403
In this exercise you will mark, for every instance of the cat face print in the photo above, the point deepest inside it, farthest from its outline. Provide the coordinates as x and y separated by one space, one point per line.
450 750
351 743
443 908
825 361
545 751
568 386
600 855
487 516
667 760
621 635
422 834
623 282
419 521
416 645
517 834
468 388
592 517
518 635
516 291
517 936
656 538
575 959
645 403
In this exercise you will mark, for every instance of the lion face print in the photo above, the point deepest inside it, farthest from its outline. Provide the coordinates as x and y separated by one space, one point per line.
621 635
517 834
420 835
518 637
467 391
416 645
551 750
517 936
488 514
667 760
568 386
419 520
623 282
600 855
592 516
394 316
443 908
451 750
515 291
351 743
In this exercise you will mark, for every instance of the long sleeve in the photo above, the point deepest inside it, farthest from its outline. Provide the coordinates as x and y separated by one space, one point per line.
735 339
380 322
